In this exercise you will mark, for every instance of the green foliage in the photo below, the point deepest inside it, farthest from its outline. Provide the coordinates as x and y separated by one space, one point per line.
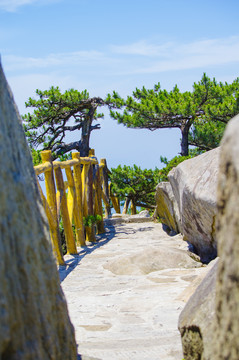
140 185
206 135
137 184
62 237
91 220
55 114
65 157
208 107
163 173
36 157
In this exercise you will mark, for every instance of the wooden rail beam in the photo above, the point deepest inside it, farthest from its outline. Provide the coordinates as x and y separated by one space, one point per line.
87 186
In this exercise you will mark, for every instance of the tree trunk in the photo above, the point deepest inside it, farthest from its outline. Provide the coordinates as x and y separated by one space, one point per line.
85 138
86 131
126 205
184 141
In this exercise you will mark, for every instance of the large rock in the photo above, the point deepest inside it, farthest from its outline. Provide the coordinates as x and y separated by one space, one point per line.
167 207
226 344
194 183
34 322
196 320
150 260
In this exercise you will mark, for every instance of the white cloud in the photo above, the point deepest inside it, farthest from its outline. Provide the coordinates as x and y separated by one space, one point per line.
198 54
137 58
13 63
14 5
113 66
143 48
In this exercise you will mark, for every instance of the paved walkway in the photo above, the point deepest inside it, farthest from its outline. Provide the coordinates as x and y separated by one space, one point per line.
125 293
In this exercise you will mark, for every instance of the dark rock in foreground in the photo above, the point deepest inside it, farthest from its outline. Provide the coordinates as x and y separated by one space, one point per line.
34 322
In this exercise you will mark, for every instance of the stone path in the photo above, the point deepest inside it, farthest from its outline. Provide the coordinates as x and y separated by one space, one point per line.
125 293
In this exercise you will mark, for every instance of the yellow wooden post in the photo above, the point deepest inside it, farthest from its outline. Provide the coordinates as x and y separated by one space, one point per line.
91 152
105 201
51 199
115 200
79 200
98 201
104 181
70 194
84 177
133 208
90 230
73 206
118 203
50 218
70 241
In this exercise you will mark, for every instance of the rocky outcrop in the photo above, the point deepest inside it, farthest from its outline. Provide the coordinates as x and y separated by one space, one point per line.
150 260
194 184
167 207
34 322
196 320
209 322
226 344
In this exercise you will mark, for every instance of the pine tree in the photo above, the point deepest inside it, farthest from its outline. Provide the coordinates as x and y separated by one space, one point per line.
135 184
201 115
57 114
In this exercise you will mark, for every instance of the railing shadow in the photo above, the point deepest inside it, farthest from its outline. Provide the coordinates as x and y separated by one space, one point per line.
72 261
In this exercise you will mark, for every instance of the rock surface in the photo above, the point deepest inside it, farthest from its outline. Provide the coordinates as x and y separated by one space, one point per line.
142 217
167 207
196 320
34 322
123 293
194 184
150 260
226 344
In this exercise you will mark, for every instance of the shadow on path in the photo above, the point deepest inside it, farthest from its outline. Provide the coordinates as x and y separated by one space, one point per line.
82 357
74 260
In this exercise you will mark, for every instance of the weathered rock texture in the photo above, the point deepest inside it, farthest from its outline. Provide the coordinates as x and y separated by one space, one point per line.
167 207
194 185
150 260
226 345
196 319
34 322
142 217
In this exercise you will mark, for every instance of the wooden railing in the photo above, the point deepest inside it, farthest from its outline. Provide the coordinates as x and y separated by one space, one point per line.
80 197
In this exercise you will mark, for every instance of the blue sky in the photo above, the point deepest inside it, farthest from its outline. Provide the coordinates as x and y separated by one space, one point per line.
108 45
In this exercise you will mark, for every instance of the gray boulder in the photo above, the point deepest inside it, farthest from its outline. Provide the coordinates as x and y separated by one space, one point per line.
194 183
34 321
226 344
196 319
167 207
